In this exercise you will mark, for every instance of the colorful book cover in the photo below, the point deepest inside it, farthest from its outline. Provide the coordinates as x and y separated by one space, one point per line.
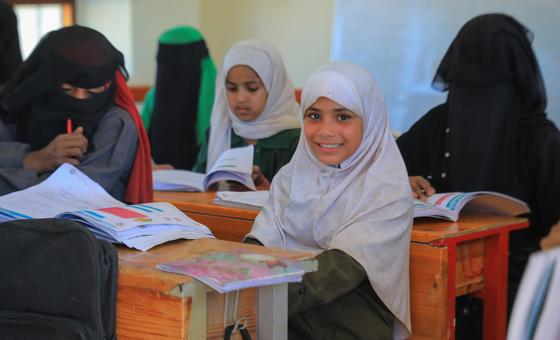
228 271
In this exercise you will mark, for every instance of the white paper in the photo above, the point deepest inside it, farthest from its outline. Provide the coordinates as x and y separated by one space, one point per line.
178 180
67 189
253 198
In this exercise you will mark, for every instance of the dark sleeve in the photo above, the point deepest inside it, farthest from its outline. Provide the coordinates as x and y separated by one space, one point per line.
13 176
338 274
115 142
544 167
200 165
421 144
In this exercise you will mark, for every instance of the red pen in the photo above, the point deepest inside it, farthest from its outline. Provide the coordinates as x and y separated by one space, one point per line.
68 125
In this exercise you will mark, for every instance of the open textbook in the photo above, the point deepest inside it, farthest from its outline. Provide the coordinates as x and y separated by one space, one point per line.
70 194
535 311
233 165
234 270
449 205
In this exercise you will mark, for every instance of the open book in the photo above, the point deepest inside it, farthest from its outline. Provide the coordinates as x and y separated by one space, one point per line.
70 194
449 205
233 165
229 271
535 311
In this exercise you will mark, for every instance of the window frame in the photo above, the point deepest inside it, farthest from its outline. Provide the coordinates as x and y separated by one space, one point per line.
68 8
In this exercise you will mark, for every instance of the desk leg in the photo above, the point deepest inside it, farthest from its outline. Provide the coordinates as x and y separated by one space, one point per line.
495 286
451 288
273 312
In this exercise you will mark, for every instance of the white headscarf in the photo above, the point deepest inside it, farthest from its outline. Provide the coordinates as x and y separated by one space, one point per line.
363 207
280 112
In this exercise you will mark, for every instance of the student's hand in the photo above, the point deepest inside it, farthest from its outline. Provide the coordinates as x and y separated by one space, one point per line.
261 182
553 238
421 188
64 148
163 167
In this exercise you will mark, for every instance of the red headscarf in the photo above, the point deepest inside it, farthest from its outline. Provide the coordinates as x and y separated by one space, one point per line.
140 188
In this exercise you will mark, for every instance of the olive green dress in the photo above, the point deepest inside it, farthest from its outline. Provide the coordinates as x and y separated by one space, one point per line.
336 302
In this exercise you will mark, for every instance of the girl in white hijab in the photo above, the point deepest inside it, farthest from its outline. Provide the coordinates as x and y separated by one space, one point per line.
344 196
254 104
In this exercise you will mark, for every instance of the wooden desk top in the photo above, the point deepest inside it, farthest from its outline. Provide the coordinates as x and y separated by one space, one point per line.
425 230
201 202
138 268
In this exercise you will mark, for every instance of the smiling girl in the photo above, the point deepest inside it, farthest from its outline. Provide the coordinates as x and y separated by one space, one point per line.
254 104
345 197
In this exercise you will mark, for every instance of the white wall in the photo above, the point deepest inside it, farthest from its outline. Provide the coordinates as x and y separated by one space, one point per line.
401 42
134 27
150 18
300 29
113 18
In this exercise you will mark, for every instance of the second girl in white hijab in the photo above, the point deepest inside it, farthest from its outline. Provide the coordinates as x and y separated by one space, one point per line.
344 196
254 104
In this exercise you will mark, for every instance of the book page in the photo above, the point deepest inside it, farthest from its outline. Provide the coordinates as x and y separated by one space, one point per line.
122 218
496 203
449 200
65 189
235 160
178 180
234 164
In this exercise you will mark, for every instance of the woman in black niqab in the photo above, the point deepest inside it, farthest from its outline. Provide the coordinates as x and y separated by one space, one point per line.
492 133
35 98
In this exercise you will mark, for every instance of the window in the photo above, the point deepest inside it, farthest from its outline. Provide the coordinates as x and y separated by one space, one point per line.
38 17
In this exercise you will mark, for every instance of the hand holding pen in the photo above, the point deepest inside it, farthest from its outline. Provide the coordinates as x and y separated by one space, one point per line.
69 147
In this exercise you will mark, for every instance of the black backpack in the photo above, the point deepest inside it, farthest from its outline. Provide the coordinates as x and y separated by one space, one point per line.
57 281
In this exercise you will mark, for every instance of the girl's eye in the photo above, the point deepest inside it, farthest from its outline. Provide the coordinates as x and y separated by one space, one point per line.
253 89
231 88
344 116
313 116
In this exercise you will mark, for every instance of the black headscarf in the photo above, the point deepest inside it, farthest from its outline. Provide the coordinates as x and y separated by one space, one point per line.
496 93
34 98
176 103
492 132
10 54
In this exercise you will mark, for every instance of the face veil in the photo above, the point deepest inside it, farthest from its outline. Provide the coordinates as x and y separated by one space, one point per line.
34 99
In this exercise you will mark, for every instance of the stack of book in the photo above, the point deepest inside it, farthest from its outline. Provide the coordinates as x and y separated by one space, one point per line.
70 194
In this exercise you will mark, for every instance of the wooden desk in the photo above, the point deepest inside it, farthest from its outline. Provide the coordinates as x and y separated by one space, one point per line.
152 304
475 249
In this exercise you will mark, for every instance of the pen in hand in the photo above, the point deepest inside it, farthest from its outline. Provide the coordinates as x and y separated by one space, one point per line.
68 125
